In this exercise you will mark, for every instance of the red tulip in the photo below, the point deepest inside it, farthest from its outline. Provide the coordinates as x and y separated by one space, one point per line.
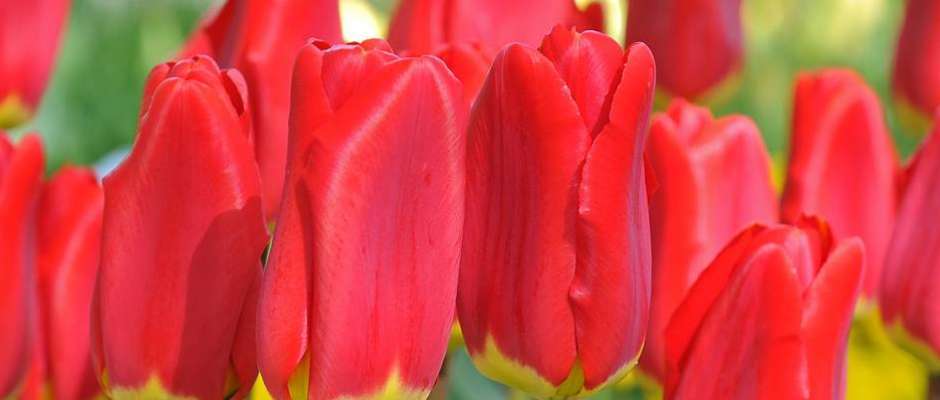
29 40
182 241
362 278
714 181
69 229
698 43
261 38
910 290
469 63
555 272
423 26
20 173
843 166
917 61
768 319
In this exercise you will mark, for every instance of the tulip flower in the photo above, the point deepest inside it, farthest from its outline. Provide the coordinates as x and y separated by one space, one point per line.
29 40
768 319
555 271
843 166
20 172
260 38
422 26
69 229
358 296
917 61
698 43
714 181
182 240
470 63
911 276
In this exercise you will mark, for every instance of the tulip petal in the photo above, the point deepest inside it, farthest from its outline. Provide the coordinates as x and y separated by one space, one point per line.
174 276
470 64
915 77
610 293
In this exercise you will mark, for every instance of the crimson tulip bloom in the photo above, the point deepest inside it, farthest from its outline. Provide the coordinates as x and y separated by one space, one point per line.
843 166
714 181
555 272
423 26
261 38
358 296
768 319
698 43
20 172
917 61
29 41
69 228
470 63
182 241
910 291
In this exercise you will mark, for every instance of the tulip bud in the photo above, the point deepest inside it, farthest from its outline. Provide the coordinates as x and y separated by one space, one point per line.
698 43
843 166
555 271
261 38
358 297
910 290
714 181
20 172
182 241
69 229
768 318
29 40
917 61
422 26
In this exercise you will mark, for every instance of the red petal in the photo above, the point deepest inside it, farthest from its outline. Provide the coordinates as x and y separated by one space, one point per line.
697 43
244 350
526 145
29 40
69 243
715 181
829 305
910 291
470 63
843 166
917 61
610 293
20 172
183 233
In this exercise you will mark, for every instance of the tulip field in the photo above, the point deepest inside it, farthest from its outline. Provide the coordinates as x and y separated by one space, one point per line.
469 199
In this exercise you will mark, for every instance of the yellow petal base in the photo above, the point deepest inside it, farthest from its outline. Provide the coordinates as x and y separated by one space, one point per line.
495 365
152 390
394 388
13 111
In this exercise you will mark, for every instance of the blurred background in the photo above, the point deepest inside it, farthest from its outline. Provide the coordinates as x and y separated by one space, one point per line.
91 106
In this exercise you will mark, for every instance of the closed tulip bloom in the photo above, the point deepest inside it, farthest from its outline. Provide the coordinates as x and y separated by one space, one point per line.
555 271
29 41
917 61
261 38
910 291
714 181
697 43
69 228
20 172
358 296
422 26
768 319
182 241
843 166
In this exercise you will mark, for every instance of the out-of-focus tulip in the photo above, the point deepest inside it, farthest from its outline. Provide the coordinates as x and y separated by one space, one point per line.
69 228
917 62
697 43
29 41
358 297
843 166
714 181
182 241
555 272
20 172
910 290
422 26
261 38
768 319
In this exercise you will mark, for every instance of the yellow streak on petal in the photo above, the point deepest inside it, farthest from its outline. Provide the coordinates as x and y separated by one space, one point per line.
394 389
299 383
13 111
152 390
